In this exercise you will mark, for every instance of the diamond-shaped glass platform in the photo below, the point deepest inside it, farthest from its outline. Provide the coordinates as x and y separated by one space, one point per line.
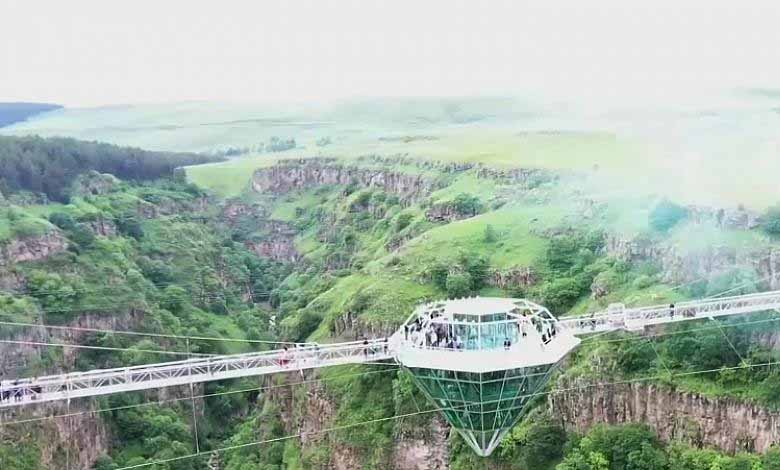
482 407
482 360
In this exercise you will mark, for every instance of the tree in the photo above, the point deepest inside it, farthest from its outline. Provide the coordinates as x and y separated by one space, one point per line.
62 220
403 220
104 462
490 235
439 274
458 284
628 447
770 221
174 299
51 165
666 215
467 204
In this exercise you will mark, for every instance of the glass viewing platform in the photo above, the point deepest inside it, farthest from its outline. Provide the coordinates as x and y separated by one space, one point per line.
481 360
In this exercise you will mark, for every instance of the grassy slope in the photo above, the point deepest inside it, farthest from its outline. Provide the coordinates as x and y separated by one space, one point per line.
716 168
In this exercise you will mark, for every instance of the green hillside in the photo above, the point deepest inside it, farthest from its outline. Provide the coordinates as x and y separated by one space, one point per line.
194 263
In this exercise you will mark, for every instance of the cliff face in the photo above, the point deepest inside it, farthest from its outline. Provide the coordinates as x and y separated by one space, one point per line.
77 441
166 207
680 267
80 439
305 174
723 423
310 412
512 278
278 243
32 248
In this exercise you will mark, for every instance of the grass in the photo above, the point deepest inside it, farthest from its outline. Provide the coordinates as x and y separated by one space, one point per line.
380 300
18 223
484 188
517 226
230 178
286 209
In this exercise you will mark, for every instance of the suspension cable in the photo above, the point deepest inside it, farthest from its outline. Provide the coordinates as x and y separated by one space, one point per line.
138 333
104 348
393 367
405 415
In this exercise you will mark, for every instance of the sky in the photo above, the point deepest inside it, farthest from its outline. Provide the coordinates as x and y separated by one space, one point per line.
87 53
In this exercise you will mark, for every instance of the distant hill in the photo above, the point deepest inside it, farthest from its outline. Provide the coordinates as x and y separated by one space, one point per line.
15 112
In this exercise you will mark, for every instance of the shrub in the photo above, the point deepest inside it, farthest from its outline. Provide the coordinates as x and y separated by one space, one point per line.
490 235
559 295
771 220
458 284
666 215
403 220
62 220
467 204
642 282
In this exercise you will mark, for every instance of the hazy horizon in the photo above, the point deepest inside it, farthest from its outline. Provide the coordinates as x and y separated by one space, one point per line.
91 53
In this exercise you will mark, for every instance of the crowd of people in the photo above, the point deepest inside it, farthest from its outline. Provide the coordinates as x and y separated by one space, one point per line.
426 332
16 390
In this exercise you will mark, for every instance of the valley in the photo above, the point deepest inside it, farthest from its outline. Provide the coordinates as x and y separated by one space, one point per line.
327 249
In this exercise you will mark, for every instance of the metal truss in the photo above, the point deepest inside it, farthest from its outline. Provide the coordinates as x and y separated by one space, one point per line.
617 317
143 377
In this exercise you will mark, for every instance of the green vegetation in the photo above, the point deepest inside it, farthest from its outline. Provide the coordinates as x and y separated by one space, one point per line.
666 215
50 166
771 221
165 258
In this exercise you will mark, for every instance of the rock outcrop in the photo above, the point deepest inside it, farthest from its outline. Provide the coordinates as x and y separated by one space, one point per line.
445 212
517 277
167 206
308 173
724 423
738 218
32 248
93 183
678 267
526 178
103 227
277 243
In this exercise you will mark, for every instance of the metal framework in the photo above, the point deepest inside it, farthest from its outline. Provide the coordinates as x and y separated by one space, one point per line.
617 317
310 356
143 377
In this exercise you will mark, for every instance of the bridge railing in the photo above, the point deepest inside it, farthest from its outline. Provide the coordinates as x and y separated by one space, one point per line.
104 381
638 318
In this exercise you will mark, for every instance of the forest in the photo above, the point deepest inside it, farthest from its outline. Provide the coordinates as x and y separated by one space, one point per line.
49 166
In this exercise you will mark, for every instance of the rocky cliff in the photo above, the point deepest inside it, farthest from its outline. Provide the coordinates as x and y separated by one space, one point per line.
308 173
277 241
724 423
32 248
80 439
76 441
678 266
425 448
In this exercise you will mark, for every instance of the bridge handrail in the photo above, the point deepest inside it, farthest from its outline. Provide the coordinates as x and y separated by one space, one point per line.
615 318
216 361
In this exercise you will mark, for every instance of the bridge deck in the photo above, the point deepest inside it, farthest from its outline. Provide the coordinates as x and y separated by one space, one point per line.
619 318
102 382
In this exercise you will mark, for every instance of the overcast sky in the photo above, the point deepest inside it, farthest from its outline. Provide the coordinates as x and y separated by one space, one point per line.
80 52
